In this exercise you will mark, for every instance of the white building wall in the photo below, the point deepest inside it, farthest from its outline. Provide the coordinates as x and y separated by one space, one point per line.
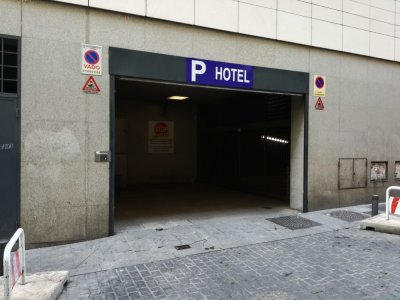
365 27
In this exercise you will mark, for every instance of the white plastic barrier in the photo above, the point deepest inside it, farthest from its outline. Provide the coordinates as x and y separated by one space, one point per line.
394 207
392 202
14 263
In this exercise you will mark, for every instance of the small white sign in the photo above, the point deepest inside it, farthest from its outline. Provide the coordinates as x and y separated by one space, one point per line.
397 173
378 171
161 137
92 59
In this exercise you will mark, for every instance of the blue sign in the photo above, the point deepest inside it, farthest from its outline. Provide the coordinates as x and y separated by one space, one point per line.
208 72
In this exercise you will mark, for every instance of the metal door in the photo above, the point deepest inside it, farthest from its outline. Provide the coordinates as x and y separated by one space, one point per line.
9 166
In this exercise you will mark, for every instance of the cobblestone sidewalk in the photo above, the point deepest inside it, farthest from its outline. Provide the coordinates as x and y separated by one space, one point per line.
341 264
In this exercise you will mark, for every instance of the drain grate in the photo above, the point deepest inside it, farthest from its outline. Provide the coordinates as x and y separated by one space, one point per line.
349 216
182 247
382 207
294 222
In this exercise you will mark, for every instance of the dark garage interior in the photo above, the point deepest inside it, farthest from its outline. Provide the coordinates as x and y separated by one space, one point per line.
228 149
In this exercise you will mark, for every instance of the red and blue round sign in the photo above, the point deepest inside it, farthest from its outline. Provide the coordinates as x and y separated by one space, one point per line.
92 57
319 82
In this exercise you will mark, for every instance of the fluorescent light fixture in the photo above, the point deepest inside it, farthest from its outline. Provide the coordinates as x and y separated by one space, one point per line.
178 98
274 139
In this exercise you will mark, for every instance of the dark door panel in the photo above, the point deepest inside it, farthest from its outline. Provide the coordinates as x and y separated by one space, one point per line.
9 167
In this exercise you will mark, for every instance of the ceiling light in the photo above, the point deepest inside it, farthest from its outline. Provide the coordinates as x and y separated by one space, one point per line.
178 98
274 139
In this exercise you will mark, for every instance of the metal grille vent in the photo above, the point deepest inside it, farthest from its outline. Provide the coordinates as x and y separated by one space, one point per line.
349 216
294 222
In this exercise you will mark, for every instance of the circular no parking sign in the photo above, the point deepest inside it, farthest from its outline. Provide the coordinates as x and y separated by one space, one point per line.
319 85
319 82
92 57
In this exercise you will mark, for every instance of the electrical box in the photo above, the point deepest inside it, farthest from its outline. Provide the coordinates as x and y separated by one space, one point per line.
379 171
102 156
352 173
397 172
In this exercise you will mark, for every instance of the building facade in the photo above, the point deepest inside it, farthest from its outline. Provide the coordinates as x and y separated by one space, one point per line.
340 156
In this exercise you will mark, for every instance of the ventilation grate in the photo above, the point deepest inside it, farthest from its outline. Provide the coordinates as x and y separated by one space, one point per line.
294 222
349 216
182 247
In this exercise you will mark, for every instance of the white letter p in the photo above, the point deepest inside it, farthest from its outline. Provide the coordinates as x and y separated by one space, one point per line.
195 70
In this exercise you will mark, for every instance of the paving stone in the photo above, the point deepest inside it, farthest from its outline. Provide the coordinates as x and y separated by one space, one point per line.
342 264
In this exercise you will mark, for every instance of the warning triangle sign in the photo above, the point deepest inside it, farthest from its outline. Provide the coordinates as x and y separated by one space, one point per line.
319 104
91 86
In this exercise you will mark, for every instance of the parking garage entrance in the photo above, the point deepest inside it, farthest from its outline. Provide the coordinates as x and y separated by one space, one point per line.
183 150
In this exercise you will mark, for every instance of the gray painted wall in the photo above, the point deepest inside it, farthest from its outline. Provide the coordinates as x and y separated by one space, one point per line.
65 194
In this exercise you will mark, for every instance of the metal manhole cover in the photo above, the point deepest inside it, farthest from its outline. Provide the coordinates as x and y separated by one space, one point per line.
382 207
294 222
349 216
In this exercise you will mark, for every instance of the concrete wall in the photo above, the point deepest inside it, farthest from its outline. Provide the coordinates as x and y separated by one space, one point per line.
367 27
362 100
65 194
297 153
144 167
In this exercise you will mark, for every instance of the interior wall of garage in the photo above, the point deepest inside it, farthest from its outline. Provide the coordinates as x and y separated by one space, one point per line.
62 127
297 154
132 150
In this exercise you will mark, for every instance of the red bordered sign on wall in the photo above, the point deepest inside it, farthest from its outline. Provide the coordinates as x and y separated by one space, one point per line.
91 86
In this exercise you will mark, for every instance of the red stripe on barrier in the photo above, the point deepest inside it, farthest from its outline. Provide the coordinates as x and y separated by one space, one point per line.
19 271
395 202
12 270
